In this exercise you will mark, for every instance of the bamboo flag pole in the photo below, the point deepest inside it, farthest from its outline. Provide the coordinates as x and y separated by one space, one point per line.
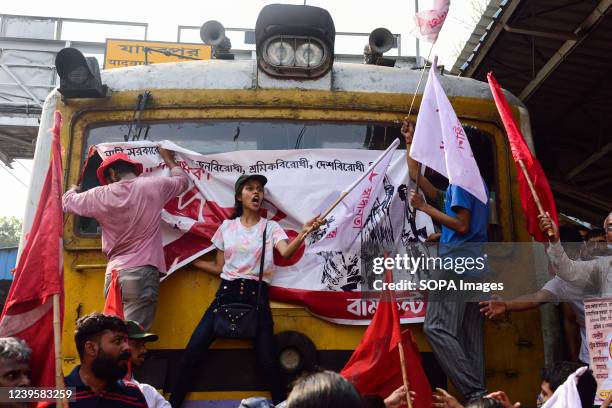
57 342
420 80
59 379
418 175
400 345
335 204
534 194
404 373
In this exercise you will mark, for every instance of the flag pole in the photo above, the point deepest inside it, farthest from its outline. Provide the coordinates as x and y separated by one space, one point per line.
534 194
335 204
418 175
57 342
400 345
420 80
404 373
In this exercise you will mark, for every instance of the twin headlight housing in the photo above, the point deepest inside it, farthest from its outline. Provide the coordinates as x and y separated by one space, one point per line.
300 56
295 41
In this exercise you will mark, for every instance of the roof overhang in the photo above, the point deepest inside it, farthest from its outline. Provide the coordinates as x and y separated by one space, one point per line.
556 58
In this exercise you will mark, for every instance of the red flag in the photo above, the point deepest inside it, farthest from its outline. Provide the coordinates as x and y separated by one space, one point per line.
28 311
374 368
114 302
520 151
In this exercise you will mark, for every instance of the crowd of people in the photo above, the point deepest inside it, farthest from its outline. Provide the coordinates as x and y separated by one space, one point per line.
128 209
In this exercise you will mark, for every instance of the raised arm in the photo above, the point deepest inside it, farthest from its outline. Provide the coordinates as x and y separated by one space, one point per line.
460 223
168 157
287 249
577 272
178 180
413 166
83 204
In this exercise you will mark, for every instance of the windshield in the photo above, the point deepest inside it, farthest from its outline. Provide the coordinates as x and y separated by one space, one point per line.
219 136
224 136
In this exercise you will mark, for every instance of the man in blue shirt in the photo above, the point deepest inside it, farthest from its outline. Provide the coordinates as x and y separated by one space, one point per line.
102 344
453 325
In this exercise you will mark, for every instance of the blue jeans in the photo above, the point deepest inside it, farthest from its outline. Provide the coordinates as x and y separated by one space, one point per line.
239 290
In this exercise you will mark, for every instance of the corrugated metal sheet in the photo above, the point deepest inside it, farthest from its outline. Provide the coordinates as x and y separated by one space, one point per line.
556 55
478 35
8 259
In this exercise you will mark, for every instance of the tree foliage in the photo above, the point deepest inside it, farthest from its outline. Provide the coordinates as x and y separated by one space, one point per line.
10 231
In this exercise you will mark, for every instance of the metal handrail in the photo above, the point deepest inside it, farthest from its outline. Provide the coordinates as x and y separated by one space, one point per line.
60 20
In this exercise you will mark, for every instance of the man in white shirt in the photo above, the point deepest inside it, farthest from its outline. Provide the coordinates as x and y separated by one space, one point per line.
554 291
596 272
138 339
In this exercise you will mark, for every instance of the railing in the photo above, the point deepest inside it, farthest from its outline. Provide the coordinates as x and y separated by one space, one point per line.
59 24
37 40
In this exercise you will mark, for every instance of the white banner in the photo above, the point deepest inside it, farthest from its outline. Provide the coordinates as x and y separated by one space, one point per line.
301 184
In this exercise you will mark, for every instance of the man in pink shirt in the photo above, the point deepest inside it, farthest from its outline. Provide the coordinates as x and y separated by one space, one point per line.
128 208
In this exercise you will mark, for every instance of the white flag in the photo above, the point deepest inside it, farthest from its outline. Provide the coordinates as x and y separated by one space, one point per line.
347 220
428 23
441 143
567 395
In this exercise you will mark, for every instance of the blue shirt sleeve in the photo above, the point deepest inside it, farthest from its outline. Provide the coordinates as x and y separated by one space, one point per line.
461 198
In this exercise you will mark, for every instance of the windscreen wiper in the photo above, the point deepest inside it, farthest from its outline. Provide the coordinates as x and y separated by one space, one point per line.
141 105
299 138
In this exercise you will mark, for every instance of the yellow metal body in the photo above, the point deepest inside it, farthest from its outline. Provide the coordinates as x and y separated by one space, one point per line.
514 350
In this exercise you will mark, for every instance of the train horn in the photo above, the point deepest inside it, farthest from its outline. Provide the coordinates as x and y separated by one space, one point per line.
381 40
213 33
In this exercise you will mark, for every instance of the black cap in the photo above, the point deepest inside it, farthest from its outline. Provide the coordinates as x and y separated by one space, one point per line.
244 178
137 332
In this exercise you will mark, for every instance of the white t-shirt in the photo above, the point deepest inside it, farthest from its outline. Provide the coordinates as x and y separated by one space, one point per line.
242 248
152 396
566 292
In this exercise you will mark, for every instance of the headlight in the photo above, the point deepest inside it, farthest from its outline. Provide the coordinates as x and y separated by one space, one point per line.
308 55
290 359
295 41
280 53
292 56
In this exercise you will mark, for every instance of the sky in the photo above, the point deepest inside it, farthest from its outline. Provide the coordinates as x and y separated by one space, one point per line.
164 18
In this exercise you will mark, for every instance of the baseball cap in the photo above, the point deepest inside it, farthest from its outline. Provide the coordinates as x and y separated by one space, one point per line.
244 178
137 332
113 159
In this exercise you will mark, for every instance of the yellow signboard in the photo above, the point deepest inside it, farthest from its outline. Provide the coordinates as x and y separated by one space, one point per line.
127 53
